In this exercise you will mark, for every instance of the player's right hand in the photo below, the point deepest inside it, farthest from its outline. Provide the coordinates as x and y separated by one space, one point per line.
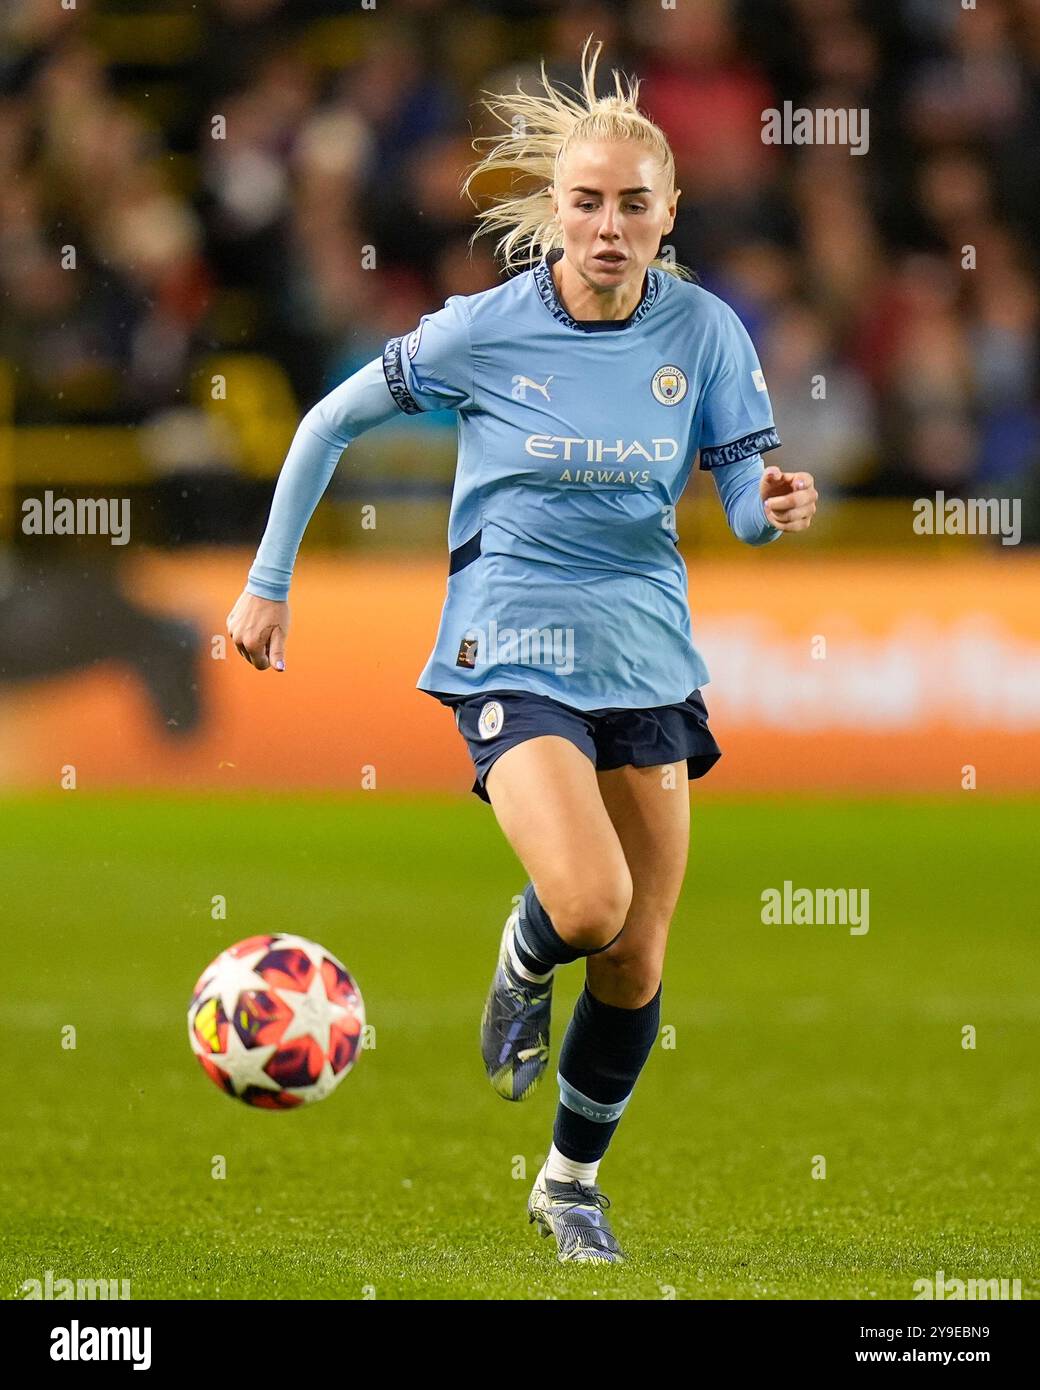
258 627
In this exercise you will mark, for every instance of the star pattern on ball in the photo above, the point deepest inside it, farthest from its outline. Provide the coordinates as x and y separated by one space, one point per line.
313 1012
323 1083
287 941
275 966
244 1066
237 973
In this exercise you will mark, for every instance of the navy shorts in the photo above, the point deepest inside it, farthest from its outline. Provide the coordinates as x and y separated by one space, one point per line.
496 720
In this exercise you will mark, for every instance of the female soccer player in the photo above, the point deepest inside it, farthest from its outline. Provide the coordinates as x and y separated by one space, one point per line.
585 388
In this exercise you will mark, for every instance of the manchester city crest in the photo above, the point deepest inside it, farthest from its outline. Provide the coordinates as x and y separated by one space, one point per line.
669 385
491 719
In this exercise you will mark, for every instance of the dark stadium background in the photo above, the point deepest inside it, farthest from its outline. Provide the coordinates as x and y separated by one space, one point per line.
348 128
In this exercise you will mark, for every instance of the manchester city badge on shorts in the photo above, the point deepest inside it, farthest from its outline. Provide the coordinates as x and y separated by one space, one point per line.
492 717
669 385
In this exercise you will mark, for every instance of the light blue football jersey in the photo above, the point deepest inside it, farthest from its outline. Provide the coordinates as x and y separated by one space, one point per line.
576 440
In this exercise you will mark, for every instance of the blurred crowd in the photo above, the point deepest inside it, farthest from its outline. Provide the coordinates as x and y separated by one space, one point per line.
281 177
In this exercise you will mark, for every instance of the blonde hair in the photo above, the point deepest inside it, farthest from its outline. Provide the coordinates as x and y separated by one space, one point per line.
536 145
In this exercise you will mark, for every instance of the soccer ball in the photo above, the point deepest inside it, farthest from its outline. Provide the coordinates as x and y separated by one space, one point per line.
276 1021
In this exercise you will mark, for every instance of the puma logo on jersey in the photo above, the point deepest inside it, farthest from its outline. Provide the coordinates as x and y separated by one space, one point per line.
521 383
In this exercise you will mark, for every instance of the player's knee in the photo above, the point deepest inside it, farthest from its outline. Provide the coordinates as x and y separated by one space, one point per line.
628 977
591 915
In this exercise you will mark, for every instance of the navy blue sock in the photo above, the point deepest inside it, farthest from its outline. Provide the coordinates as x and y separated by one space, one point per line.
538 944
604 1050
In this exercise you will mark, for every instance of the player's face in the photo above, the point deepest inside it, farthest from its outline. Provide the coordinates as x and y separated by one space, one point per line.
614 209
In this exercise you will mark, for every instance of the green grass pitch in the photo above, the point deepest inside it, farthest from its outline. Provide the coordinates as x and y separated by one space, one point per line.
411 1180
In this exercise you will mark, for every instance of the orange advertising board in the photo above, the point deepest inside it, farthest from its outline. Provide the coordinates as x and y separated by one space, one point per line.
851 675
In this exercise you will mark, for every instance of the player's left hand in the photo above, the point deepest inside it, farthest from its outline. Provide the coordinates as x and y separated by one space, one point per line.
789 498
